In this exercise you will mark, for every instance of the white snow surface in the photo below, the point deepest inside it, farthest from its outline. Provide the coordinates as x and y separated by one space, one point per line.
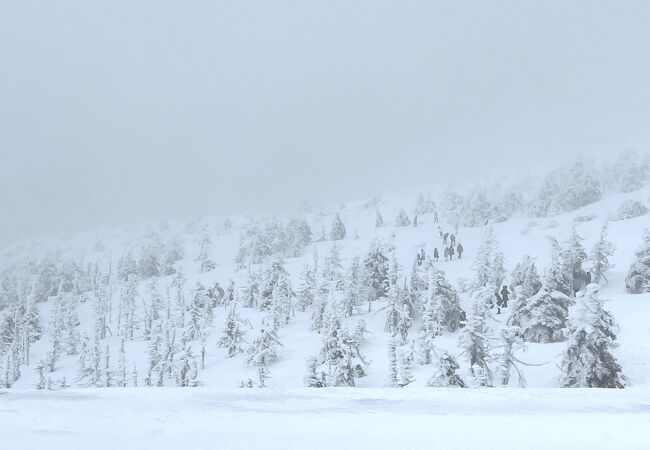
332 418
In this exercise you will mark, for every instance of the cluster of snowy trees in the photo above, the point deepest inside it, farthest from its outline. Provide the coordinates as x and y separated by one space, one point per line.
540 313
151 257
567 188
175 321
262 241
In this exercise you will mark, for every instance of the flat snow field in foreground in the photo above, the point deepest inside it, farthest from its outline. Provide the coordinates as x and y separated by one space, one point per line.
396 419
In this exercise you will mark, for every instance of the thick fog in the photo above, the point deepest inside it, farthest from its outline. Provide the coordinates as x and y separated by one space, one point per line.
119 112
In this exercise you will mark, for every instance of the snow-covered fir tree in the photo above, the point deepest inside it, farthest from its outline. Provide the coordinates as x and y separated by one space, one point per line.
475 338
402 219
379 220
127 319
511 341
572 256
282 307
263 350
186 369
340 355
543 317
424 204
251 290
638 276
332 268
198 314
307 289
206 263
445 374
298 236
355 292
316 377
446 298
376 264
485 264
399 312
153 313
558 276
276 275
588 360
430 324
320 307
525 276
232 338
337 231
122 375
598 263
399 373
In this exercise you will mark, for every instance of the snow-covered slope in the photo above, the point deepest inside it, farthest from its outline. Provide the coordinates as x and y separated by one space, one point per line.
516 237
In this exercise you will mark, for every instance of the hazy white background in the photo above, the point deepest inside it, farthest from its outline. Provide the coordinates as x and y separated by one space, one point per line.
114 112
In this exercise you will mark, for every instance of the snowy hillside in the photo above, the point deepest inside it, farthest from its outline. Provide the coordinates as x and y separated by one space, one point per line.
333 297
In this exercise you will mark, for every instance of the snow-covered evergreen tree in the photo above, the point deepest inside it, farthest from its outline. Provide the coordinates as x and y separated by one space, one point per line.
307 289
337 231
316 378
485 264
186 369
525 276
340 354
232 338
475 339
588 360
354 290
447 301
379 220
126 320
630 171
206 263
542 317
399 312
320 307
430 323
198 312
402 219
507 362
276 275
282 307
376 264
399 365
153 314
251 290
445 375
298 236
263 351
558 276
638 277
424 204
598 263
122 374
572 256
333 269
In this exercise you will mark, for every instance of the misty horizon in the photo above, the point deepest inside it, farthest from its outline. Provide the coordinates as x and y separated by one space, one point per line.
222 108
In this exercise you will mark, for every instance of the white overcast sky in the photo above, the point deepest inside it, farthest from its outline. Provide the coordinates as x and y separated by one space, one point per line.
120 111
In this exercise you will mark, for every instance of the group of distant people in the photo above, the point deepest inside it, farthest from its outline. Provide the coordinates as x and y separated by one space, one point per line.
451 248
